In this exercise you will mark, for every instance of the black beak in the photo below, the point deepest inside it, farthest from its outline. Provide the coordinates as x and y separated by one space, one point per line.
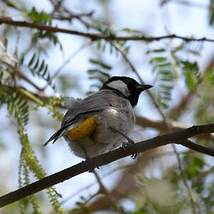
145 87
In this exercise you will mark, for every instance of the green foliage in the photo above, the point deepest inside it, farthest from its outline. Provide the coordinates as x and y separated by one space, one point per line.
210 77
186 56
39 17
99 72
7 69
23 181
170 65
113 48
46 35
35 167
42 18
207 93
163 69
208 199
100 64
199 177
52 105
211 13
6 75
194 164
16 105
151 207
81 205
17 100
39 68
191 73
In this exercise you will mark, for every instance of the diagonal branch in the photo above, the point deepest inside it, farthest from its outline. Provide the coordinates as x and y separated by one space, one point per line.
179 137
163 127
98 36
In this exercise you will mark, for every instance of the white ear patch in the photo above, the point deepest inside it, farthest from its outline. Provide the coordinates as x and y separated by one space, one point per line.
120 86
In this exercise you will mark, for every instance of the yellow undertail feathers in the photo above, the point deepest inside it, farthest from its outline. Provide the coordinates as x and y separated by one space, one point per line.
83 129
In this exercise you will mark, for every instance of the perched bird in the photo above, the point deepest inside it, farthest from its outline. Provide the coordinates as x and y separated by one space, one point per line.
98 123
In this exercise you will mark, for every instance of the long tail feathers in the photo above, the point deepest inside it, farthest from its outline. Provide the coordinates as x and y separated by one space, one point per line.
55 136
59 133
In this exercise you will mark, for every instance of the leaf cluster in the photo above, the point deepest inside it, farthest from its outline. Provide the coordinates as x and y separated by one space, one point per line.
99 72
170 65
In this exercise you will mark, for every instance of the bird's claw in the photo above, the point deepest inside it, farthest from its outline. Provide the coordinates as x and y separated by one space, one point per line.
134 156
125 145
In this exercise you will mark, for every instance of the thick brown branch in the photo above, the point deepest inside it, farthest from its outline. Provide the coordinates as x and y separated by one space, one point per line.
98 36
161 126
178 137
196 147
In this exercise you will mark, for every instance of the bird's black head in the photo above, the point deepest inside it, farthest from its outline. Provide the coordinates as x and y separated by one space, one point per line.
126 87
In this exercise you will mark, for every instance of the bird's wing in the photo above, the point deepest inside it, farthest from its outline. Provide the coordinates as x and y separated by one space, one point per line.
70 102
91 104
87 107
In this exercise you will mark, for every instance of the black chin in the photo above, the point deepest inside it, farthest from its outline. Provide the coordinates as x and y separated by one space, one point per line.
133 98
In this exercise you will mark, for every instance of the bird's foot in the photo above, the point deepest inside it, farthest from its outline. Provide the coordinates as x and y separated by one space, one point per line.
125 145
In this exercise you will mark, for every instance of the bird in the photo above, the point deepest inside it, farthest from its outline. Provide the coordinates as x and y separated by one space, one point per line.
100 122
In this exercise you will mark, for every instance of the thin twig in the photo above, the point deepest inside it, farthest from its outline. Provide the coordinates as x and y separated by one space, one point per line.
116 169
99 36
186 3
104 191
91 197
21 75
72 16
57 72
183 176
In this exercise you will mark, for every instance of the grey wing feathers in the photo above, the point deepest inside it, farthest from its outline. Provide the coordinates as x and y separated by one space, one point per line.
71 103
90 105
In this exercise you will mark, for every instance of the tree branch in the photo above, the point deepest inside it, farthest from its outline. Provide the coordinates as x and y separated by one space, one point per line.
179 137
72 16
186 3
98 36
171 125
